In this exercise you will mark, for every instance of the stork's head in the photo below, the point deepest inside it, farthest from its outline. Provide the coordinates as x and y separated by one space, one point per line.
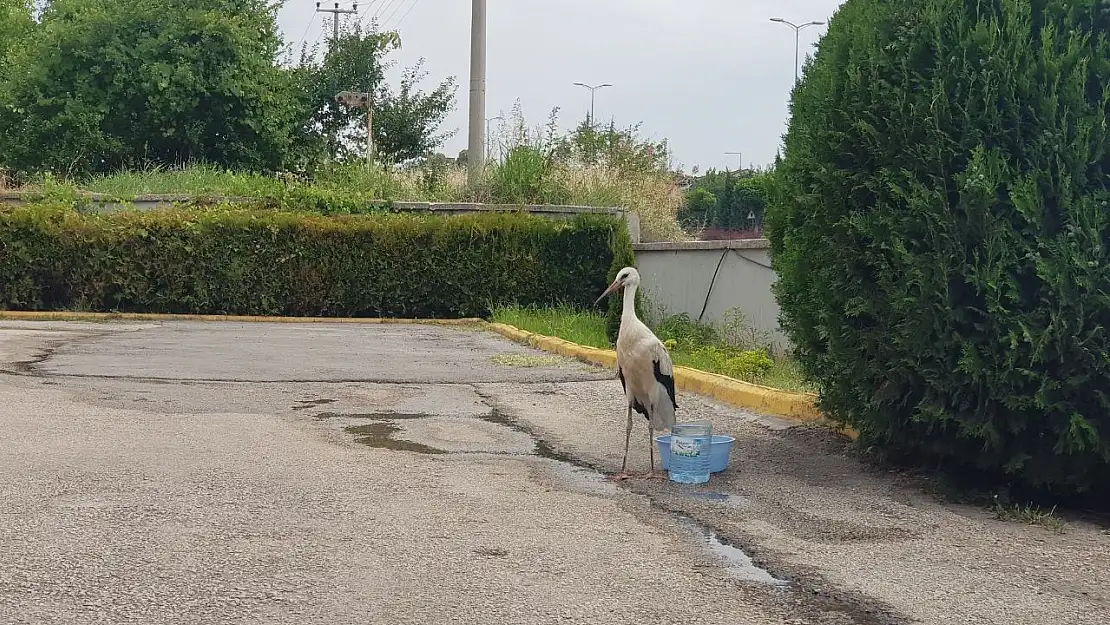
625 278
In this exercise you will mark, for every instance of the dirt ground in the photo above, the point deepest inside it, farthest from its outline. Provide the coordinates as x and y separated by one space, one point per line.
317 473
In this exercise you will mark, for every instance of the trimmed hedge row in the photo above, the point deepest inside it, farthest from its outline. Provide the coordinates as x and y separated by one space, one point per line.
229 260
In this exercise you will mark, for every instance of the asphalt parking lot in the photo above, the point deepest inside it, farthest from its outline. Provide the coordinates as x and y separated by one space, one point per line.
217 472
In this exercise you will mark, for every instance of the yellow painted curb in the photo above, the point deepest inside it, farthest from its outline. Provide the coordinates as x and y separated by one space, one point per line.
798 407
36 315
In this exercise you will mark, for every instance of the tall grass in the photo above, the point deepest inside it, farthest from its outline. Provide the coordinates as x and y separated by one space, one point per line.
571 324
689 343
526 179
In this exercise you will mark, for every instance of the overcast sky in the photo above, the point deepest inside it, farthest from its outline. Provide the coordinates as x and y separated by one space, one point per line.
710 76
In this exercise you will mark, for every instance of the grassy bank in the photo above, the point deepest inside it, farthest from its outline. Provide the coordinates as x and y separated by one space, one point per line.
653 196
728 352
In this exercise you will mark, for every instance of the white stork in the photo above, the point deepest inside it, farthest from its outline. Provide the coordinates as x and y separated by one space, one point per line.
644 367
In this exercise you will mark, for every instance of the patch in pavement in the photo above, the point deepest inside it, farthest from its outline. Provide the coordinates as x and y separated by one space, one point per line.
455 435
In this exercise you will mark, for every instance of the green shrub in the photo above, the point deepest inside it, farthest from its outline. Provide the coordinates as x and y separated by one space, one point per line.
941 233
524 178
745 365
229 260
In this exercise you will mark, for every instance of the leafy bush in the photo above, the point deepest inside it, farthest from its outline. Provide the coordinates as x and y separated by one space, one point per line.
941 233
229 260
742 364
99 85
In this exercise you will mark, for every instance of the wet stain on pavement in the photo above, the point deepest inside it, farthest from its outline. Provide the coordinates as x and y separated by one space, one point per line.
374 416
305 404
380 435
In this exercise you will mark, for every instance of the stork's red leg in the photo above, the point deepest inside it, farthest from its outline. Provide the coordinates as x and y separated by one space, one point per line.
623 475
651 475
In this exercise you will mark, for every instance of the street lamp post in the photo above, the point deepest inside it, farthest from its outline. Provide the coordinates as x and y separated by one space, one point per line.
489 142
739 158
797 38
592 89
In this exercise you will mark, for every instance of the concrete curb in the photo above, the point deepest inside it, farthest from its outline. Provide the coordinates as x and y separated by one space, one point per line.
35 315
797 407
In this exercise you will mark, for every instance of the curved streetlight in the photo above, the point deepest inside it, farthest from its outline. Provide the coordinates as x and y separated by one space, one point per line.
739 158
489 142
592 89
797 36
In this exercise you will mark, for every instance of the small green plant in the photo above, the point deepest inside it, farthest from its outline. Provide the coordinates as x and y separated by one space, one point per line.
737 331
1030 515
686 333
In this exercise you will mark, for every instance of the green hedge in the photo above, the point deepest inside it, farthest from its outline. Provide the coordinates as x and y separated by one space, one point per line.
941 234
229 260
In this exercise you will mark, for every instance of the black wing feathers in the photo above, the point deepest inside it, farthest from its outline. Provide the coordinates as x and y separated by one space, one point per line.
666 380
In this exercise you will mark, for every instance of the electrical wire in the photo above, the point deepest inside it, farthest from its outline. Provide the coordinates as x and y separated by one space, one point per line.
383 8
366 11
405 14
386 19
307 26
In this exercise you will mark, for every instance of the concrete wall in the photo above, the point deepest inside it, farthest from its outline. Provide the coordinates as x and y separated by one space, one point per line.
678 278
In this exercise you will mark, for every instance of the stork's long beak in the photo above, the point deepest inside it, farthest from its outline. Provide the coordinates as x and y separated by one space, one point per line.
612 287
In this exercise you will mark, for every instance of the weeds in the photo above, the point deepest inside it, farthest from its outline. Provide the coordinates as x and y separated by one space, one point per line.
691 344
1029 514
525 360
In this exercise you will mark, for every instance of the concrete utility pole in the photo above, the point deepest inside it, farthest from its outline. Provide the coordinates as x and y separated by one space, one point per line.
592 89
356 99
797 37
739 158
476 146
336 12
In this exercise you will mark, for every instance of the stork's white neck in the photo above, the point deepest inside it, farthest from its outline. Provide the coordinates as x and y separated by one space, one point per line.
629 302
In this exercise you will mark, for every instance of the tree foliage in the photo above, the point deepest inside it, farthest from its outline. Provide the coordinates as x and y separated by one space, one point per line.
727 200
103 85
941 232
108 84
406 121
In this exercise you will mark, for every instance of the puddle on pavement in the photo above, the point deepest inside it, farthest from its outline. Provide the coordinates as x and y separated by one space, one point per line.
737 502
543 449
305 404
738 563
380 435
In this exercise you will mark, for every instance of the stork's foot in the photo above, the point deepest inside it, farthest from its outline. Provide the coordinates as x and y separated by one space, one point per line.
622 476
654 475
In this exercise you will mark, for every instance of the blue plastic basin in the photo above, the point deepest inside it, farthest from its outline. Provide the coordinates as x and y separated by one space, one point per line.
719 450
